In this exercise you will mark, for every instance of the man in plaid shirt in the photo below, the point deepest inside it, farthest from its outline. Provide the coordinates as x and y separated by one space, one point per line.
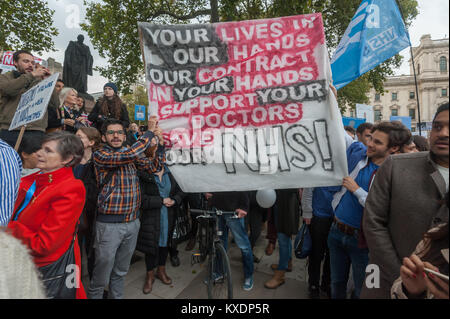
119 199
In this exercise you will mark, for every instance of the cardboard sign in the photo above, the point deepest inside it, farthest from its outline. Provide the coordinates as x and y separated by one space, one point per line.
245 105
33 103
139 112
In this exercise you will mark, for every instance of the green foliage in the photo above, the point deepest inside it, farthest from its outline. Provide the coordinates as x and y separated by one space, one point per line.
139 97
112 28
26 25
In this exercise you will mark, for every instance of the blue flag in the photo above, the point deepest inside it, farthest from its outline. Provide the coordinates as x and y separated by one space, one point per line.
139 112
406 120
376 33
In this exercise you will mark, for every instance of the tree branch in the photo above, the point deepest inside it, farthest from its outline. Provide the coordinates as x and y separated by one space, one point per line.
183 17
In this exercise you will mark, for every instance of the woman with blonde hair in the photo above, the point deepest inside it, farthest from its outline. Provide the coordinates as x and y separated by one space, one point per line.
63 117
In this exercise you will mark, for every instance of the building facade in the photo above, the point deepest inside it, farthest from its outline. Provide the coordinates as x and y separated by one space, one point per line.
431 59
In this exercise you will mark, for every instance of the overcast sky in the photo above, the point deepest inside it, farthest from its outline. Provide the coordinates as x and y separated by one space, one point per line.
433 19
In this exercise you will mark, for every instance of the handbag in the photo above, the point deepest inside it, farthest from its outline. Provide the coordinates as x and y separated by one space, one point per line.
182 227
303 243
54 276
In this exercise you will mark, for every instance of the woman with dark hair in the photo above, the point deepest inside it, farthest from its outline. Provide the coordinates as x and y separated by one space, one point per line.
161 201
85 171
109 106
421 142
28 154
83 114
47 210
432 253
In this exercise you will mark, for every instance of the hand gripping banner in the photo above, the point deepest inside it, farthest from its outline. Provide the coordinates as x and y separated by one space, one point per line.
245 105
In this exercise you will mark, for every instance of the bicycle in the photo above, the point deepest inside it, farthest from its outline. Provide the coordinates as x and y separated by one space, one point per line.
219 281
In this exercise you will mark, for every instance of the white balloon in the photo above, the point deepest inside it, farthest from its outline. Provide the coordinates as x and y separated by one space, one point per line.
266 198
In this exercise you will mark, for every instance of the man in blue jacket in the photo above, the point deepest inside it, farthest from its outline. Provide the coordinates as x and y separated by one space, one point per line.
348 205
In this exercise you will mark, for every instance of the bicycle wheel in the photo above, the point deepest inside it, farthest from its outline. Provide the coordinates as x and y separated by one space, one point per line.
220 284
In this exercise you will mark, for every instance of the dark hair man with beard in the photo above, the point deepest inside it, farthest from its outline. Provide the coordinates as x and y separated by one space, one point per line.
405 201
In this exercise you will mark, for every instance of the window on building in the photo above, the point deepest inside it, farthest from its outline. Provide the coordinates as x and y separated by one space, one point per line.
412 114
377 97
394 112
412 95
444 92
394 96
413 129
377 115
351 113
443 64
418 69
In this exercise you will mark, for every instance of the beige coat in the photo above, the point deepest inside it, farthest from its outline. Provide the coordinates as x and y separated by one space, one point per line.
11 89
405 201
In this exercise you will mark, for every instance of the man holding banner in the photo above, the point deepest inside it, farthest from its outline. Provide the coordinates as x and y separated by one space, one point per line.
12 85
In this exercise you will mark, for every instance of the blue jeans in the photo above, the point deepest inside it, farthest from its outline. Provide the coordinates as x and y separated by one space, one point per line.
343 252
237 227
285 244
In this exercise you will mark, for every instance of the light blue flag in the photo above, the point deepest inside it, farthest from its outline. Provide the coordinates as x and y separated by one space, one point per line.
352 121
376 33
406 120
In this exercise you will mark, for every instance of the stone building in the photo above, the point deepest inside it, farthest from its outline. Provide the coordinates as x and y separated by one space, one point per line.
431 63
54 67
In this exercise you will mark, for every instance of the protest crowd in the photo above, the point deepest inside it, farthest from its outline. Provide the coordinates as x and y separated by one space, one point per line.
93 184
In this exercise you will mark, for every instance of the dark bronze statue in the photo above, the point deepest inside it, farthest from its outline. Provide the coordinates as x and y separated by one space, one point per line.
77 65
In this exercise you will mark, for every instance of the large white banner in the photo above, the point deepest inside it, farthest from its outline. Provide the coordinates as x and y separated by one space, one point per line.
245 105
33 103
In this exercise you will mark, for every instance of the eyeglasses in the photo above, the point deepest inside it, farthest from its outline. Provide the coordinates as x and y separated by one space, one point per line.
111 132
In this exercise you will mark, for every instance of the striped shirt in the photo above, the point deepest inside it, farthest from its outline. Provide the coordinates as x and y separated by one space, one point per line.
120 198
10 170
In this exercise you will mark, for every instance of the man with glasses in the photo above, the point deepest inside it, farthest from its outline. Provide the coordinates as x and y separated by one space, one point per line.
117 224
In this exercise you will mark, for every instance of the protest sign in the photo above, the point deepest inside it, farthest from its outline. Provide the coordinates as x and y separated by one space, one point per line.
139 112
364 111
245 105
406 120
33 103
352 121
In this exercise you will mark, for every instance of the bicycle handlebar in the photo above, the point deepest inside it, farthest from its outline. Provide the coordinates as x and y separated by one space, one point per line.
217 212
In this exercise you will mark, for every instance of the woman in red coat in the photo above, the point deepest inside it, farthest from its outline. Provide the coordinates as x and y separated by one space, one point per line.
49 204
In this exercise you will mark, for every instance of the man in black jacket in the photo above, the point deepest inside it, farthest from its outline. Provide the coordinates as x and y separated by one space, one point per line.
238 202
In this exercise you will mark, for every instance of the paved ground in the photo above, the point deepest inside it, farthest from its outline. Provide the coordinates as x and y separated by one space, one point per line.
188 279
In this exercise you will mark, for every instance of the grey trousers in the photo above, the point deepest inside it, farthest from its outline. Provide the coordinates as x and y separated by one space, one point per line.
114 246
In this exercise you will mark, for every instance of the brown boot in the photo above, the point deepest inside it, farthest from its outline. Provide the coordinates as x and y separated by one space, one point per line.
149 280
161 275
289 268
270 248
276 281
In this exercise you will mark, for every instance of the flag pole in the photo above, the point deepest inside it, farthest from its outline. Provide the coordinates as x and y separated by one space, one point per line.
414 70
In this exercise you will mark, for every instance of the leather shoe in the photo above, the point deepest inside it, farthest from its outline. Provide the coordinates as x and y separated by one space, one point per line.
149 280
270 248
175 261
161 275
